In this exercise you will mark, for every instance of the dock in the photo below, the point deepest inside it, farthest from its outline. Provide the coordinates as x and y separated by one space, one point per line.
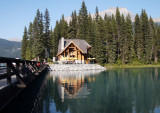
76 67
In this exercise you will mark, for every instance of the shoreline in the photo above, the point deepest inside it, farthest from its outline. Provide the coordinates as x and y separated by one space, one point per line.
116 66
75 67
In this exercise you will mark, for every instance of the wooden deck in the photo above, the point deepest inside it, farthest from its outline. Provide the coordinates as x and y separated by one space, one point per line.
15 75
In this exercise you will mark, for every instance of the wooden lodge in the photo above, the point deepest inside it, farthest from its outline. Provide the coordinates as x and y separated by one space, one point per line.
73 50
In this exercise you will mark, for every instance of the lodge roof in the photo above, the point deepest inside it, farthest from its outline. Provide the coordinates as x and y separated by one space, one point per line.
80 43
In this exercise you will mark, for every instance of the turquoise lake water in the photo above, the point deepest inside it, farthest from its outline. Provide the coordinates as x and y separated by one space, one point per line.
115 91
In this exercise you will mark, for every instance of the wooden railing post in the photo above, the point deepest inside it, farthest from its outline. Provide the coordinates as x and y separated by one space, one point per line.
23 63
16 72
9 80
35 68
13 68
17 68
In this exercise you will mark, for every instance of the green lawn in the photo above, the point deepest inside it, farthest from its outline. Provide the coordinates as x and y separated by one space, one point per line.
132 65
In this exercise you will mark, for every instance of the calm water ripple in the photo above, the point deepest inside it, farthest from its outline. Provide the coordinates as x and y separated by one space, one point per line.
114 91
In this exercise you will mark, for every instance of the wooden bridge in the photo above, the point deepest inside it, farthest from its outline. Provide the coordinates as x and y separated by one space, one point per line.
17 74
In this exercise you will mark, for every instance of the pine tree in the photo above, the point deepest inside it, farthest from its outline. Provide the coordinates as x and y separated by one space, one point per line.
41 46
139 48
51 42
146 37
157 46
130 38
56 38
83 22
24 44
125 41
97 14
35 32
111 40
91 35
115 36
72 30
63 27
38 35
30 42
118 19
101 29
153 38
101 54
97 43
47 38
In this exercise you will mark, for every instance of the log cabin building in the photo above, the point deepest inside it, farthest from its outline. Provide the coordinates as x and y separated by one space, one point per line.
73 49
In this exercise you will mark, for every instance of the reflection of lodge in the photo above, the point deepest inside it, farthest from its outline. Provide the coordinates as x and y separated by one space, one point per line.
73 87
115 91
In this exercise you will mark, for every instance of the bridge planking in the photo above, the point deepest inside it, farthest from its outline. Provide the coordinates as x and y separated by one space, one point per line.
13 67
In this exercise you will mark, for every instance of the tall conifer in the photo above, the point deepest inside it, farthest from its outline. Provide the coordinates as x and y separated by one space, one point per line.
111 40
72 30
64 27
115 36
157 46
125 41
47 38
138 45
146 37
30 42
56 38
119 24
97 14
129 36
83 22
24 44
38 35
101 54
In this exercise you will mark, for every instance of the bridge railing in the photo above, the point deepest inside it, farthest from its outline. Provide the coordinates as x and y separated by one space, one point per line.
20 68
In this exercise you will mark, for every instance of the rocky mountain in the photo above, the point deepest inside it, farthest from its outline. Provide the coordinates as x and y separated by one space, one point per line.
15 39
112 10
157 20
10 49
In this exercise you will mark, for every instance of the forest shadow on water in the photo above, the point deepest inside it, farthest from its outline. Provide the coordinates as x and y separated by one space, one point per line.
115 91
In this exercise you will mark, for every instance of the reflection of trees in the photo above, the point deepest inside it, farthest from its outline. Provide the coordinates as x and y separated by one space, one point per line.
116 91
50 95
147 90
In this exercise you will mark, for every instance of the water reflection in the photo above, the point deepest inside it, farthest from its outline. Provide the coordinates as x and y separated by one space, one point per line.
115 91
74 83
60 89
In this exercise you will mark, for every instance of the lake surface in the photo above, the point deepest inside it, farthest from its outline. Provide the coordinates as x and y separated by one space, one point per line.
114 91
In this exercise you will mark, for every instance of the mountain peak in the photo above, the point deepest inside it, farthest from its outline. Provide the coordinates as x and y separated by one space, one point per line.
15 39
114 8
112 11
156 20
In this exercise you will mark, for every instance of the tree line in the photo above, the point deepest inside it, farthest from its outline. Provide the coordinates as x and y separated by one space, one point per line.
113 38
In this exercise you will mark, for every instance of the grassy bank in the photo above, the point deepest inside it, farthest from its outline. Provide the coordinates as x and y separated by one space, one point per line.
131 65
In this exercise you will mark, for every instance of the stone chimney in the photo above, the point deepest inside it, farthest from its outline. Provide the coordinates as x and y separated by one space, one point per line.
62 43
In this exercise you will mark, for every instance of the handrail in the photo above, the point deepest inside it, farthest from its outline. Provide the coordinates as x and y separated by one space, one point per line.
15 67
4 59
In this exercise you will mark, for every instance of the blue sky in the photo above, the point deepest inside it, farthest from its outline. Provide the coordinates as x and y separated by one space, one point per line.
15 14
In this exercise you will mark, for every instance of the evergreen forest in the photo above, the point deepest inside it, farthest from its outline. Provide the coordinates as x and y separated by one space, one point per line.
114 39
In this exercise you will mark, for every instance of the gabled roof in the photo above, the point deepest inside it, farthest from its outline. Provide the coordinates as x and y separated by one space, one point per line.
80 43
